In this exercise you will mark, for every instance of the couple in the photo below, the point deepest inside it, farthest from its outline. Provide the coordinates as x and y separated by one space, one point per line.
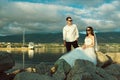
86 52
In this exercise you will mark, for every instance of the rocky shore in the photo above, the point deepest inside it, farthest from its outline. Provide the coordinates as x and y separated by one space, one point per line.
6 63
108 68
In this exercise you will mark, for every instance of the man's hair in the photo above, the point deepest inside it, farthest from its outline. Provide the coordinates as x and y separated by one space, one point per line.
68 18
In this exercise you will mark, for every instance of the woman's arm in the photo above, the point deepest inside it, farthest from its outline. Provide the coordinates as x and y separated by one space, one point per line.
91 45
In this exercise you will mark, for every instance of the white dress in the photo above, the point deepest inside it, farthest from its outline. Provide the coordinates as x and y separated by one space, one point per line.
79 53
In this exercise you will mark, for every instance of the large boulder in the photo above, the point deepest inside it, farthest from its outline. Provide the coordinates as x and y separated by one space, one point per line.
80 70
62 69
115 57
6 62
113 69
85 70
103 60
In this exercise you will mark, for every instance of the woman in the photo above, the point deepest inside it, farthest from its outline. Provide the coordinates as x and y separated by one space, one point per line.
86 52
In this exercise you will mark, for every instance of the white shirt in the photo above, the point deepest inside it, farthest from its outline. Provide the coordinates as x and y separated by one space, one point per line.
70 33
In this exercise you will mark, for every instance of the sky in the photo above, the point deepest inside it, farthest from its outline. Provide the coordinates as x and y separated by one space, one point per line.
48 16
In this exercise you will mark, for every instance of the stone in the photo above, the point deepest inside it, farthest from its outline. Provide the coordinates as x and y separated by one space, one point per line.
103 60
115 57
62 70
6 61
113 69
86 70
31 76
42 68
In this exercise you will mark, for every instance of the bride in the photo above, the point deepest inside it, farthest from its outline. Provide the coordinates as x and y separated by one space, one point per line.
86 52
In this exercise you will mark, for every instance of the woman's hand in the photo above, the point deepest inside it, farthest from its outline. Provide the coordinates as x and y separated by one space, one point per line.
84 46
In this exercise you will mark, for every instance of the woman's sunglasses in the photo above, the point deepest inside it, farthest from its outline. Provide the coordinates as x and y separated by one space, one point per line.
88 30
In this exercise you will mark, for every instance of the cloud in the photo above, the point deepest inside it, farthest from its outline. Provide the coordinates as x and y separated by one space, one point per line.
30 15
50 16
104 17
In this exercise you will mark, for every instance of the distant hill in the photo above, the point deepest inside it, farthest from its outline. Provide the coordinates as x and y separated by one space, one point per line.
106 37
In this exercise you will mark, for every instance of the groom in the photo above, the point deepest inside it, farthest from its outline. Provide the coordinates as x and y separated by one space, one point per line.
70 34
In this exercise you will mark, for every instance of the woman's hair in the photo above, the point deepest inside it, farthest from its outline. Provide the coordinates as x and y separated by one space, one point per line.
92 31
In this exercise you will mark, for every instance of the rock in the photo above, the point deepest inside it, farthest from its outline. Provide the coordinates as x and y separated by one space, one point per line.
4 76
16 71
32 76
6 62
103 60
85 70
30 69
113 69
115 57
62 69
86 76
42 68
63 66
81 70
101 74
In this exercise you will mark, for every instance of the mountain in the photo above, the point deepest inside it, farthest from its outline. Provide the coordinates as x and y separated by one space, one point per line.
106 37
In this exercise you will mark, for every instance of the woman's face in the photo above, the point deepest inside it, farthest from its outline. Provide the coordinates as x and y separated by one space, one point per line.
88 30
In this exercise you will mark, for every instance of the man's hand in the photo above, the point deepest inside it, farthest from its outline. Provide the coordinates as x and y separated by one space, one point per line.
77 39
64 43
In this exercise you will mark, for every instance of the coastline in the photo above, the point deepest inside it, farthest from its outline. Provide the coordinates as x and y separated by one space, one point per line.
15 49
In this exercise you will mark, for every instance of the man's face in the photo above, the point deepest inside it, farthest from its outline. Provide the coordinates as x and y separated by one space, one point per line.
69 21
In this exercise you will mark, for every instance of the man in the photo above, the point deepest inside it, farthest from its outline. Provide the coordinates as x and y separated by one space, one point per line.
70 34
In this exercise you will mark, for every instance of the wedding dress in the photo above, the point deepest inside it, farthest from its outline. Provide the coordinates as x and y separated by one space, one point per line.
79 53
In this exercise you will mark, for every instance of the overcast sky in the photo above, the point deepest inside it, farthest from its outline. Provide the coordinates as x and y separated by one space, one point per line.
43 16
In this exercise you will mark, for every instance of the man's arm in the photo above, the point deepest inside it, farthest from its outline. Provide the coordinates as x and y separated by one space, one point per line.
77 33
64 35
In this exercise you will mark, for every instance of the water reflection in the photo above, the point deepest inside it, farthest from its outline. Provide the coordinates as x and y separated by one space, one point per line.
35 50
23 60
9 50
50 50
30 53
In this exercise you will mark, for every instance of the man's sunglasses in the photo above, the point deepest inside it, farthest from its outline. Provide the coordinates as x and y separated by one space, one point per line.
69 20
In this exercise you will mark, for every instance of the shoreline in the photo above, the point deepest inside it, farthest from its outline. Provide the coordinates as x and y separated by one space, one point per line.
15 49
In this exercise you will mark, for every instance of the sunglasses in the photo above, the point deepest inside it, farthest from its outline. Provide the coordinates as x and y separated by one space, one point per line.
69 20
88 30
